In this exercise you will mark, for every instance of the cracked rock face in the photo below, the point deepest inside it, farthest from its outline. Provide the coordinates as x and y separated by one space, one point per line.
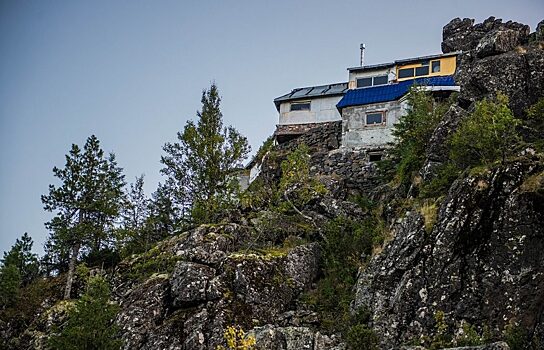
482 263
493 36
192 282
211 288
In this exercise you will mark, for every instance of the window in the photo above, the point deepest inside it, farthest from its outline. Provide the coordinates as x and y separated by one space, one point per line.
380 80
300 106
406 73
375 118
367 82
374 157
364 82
420 71
436 66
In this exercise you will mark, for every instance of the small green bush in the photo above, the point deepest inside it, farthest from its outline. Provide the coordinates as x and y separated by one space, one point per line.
296 185
519 338
360 337
487 135
439 185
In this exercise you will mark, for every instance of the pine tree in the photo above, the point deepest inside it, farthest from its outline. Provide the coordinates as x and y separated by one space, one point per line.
86 203
10 282
164 214
199 166
90 323
21 256
133 234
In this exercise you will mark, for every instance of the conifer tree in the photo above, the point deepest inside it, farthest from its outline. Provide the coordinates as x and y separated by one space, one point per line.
21 256
199 165
90 323
134 235
85 204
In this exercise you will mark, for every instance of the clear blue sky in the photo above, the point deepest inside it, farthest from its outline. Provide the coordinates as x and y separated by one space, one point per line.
132 73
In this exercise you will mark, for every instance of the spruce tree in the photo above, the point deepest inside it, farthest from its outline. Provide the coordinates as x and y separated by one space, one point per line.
133 234
20 255
90 323
85 204
199 165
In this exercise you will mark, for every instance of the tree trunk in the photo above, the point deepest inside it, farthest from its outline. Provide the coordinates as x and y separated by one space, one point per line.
71 268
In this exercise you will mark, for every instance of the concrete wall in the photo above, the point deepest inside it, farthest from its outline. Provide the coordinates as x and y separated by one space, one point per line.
322 109
356 134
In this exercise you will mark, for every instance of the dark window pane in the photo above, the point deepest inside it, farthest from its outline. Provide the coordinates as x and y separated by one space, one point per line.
436 66
406 73
374 118
424 63
422 71
305 106
381 80
374 157
364 82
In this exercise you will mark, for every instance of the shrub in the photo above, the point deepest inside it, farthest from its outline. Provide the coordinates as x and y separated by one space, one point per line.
487 135
359 336
296 186
470 336
237 339
445 175
441 337
519 338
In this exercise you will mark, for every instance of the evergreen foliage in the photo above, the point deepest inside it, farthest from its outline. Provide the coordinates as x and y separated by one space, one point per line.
296 185
20 255
10 282
85 205
199 165
348 243
133 235
19 267
414 130
90 324
487 136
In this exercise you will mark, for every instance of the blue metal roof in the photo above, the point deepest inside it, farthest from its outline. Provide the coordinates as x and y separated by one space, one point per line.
390 92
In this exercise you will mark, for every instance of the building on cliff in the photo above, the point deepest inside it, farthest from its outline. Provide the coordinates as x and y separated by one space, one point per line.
305 108
369 104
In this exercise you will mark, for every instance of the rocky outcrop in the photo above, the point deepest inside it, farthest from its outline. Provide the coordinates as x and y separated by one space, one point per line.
490 37
218 282
482 263
518 74
495 58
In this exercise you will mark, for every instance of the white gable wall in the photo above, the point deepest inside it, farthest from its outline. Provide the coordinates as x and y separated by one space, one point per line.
322 109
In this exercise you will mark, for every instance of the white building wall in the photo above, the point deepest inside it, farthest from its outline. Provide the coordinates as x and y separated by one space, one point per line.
355 132
322 109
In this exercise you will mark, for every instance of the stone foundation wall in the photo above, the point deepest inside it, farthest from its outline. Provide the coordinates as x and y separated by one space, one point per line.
350 167
320 137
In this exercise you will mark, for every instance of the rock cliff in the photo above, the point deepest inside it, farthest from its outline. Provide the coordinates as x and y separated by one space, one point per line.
477 259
